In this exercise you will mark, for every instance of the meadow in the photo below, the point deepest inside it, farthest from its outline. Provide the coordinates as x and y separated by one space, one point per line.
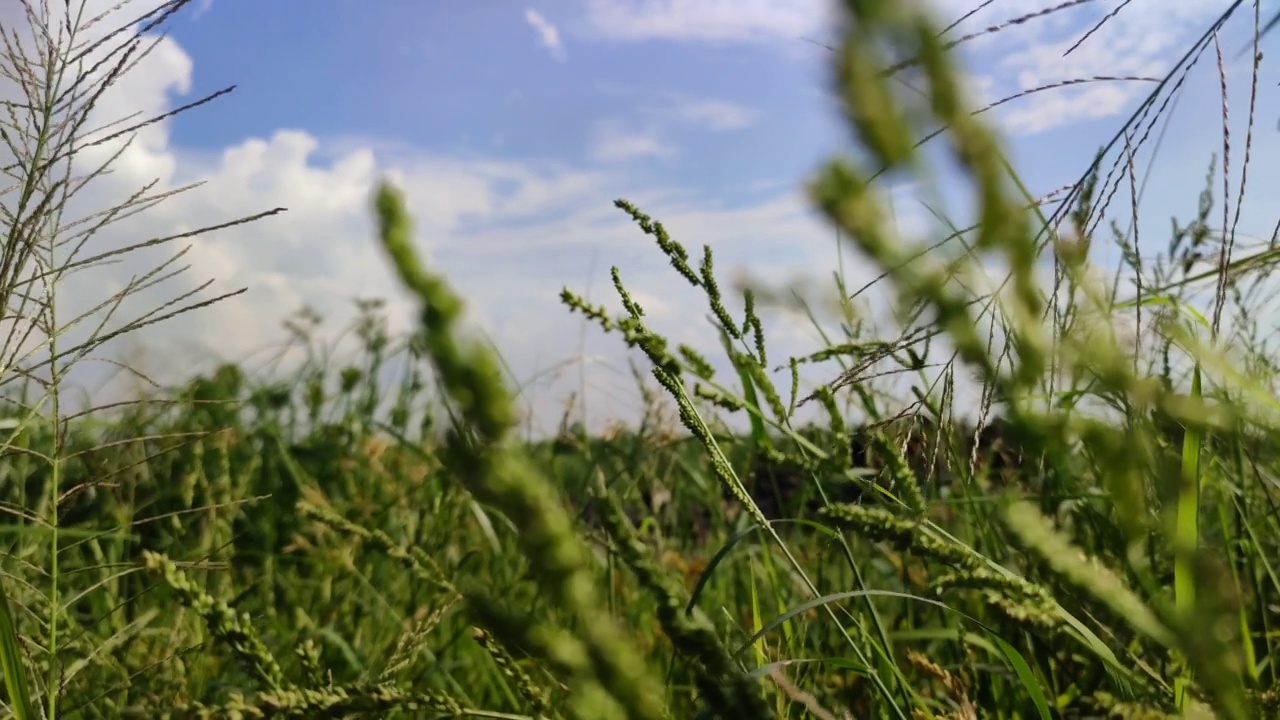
1097 544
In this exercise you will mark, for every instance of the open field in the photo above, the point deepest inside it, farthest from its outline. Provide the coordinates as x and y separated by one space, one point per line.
1096 537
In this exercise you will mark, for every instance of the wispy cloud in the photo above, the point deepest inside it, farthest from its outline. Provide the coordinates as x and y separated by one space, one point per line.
665 107
708 20
613 141
548 34
714 114
1141 40
201 7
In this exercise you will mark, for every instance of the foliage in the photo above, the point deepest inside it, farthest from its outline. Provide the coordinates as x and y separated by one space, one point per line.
373 539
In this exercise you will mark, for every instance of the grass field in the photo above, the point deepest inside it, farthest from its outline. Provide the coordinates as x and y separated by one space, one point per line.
1101 542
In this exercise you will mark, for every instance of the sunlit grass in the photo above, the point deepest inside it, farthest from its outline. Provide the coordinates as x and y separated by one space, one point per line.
375 538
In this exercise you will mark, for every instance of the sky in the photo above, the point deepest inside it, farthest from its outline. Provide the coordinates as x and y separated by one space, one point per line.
513 125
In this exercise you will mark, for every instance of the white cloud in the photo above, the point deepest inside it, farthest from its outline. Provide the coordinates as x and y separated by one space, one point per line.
201 8
612 141
548 34
664 107
1144 39
709 20
715 114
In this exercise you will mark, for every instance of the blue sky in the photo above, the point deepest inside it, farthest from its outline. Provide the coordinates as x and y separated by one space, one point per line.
475 79
514 125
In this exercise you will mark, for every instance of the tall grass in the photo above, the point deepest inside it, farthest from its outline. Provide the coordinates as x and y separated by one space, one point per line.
57 69
370 536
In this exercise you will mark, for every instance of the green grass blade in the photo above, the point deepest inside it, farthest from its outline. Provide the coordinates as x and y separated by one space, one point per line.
1025 676
1186 532
15 677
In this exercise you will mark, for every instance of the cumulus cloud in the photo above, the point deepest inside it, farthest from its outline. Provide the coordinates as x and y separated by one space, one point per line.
548 34
509 235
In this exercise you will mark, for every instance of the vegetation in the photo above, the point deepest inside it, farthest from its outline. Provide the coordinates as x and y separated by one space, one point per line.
376 539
